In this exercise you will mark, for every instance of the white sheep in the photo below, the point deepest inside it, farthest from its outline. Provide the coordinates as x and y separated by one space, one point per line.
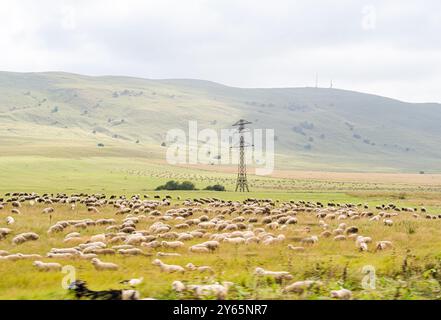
178 286
24 237
301 286
190 266
343 294
98 238
388 222
10 220
235 241
297 249
220 291
382 245
130 252
279 275
168 267
168 254
198 249
172 244
50 266
133 282
99 265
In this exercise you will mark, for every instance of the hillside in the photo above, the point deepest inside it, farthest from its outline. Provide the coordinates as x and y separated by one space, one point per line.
61 114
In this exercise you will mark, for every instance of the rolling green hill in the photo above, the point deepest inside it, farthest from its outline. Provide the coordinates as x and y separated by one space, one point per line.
68 115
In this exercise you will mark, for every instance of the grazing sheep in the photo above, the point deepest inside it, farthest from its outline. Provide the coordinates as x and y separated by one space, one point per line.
98 238
4 232
301 286
10 220
101 266
168 254
178 286
48 210
190 266
278 275
199 249
172 244
388 222
168 267
130 252
235 241
297 249
210 245
220 291
50 266
382 245
310 240
340 237
24 237
133 282
342 294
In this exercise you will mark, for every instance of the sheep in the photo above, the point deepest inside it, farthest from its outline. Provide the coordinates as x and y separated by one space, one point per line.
98 238
210 245
278 275
235 241
190 266
220 291
310 240
60 255
168 254
382 245
130 252
48 210
4 232
20 256
133 282
388 222
65 250
101 266
152 245
172 244
24 237
185 237
340 238
342 294
297 249
10 220
168 267
198 249
301 286
178 286
50 266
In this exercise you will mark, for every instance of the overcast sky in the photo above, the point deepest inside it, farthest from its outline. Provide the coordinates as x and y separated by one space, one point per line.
391 48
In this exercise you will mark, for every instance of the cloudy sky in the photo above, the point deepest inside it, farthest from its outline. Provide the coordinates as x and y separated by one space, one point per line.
391 48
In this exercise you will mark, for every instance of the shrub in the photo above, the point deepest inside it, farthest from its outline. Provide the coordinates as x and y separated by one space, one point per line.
174 185
216 187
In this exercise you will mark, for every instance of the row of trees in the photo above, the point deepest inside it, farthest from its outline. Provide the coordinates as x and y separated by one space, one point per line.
187 185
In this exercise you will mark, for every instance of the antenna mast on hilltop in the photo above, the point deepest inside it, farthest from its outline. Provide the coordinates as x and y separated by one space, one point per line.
242 182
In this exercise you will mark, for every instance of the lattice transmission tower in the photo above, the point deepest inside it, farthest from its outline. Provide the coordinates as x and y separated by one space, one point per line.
242 182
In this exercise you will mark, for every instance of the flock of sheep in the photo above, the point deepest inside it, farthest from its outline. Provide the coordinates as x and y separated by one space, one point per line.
187 228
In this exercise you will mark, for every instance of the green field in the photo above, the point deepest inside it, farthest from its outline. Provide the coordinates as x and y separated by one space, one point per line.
408 271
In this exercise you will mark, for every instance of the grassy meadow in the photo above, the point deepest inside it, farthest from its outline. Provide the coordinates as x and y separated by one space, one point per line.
411 270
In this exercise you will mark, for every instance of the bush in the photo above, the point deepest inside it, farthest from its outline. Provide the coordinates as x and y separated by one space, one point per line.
216 187
174 185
